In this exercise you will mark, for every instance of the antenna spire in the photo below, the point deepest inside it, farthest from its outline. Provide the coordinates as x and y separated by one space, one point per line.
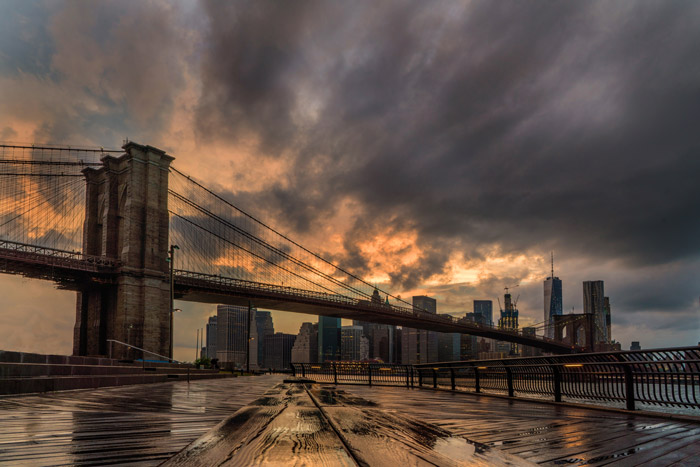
552 254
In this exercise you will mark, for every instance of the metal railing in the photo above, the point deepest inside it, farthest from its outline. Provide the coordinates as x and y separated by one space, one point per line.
55 257
663 377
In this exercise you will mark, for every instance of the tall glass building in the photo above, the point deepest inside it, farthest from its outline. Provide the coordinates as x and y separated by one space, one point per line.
485 309
553 302
328 339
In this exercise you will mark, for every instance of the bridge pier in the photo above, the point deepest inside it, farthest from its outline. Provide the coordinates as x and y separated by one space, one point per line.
126 220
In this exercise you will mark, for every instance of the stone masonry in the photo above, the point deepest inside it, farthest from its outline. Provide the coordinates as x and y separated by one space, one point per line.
127 220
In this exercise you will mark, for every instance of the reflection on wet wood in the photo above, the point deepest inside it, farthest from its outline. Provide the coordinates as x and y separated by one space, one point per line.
548 434
282 428
378 437
142 425
327 427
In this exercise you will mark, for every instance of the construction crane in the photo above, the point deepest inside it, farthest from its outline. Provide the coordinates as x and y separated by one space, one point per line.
510 287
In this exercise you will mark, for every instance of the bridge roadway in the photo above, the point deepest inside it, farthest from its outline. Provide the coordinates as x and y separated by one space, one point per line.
75 271
147 424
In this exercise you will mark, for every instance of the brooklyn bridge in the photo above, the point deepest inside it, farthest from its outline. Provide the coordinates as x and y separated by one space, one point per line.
130 233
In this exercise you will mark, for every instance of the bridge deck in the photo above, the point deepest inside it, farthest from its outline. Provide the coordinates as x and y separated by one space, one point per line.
150 423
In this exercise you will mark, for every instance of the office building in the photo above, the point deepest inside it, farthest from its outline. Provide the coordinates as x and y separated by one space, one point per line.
380 338
211 338
398 333
328 339
449 346
305 349
264 329
608 318
278 351
354 345
485 309
232 334
635 346
382 344
594 303
417 345
553 301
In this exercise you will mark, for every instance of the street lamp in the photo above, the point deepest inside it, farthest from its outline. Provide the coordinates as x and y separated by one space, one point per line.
171 258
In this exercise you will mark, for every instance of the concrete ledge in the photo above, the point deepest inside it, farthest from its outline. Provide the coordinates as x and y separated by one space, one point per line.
15 386
26 370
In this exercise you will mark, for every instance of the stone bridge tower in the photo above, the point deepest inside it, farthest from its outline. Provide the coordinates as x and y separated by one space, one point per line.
575 329
126 220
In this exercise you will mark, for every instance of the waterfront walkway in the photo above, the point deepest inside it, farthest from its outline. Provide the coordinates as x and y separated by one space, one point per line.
147 424
546 433
140 425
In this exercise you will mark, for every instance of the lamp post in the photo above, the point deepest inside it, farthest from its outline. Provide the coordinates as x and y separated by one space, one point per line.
171 258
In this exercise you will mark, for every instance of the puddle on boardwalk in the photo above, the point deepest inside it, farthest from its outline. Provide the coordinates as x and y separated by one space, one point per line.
455 448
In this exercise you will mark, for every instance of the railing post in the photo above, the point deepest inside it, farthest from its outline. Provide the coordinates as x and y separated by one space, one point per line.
556 373
335 374
452 378
509 380
420 378
369 374
477 382
303 370
412 383
408 384
629 386
434 378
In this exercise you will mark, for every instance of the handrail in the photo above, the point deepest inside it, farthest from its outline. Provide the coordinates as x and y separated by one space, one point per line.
660 377
172 360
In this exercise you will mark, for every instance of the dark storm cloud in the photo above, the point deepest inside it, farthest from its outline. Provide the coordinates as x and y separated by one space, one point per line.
568 125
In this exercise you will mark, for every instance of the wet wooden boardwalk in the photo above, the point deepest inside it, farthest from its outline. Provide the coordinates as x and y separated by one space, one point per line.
148 424
545 433
308 425
136 425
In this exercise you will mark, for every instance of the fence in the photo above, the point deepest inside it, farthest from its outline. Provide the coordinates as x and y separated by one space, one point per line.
663 377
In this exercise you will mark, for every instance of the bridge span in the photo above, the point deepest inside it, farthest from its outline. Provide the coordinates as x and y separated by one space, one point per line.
110 228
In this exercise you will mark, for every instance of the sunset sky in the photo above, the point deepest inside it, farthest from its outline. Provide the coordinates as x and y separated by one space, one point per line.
438 148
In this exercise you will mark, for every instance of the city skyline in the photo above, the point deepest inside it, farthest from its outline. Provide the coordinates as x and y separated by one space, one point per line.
420 153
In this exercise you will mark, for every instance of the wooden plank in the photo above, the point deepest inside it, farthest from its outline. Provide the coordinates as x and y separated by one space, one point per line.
538 432
377 437
144 424
290 431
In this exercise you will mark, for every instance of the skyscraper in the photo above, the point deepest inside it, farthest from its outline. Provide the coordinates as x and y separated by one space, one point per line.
608 318
485 309
382 344
328 339
232 334
278 351
594 302
305 349
417 345
354 345
449 346
553 302
265 329
211 337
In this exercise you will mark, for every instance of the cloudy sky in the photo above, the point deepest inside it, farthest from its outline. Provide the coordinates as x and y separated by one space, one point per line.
440 148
